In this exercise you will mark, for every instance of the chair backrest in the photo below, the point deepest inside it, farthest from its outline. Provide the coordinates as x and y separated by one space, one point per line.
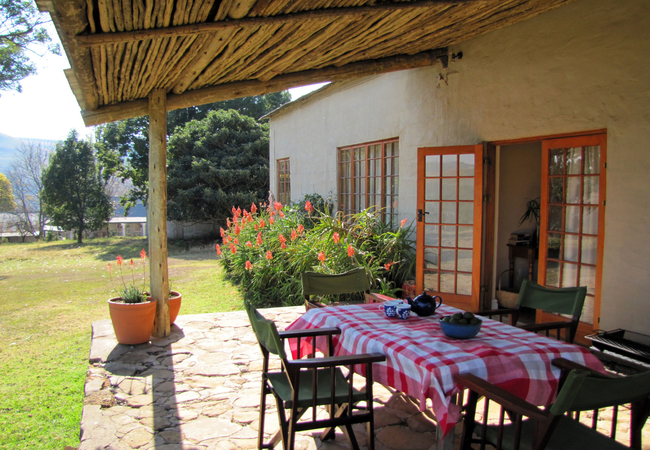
355 280
584 391
554 300
265 331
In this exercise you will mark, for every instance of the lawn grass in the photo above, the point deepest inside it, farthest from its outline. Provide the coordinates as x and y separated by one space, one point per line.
52 294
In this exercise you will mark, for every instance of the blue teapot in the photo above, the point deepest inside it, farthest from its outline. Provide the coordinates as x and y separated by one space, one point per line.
424 304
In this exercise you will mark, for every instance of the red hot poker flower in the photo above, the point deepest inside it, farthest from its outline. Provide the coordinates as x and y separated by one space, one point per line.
253 208
269 255
294 235
222 231
282 239
321 256
271 220
143 255
259 238
218 250
336 238
228 222
236 241
248 244
234 211
350 251
237 230
233 249
262 223
277 206
308 207
131 263
388 265
109 267
283 246
300 228
282 214
249 266
119 260
402 223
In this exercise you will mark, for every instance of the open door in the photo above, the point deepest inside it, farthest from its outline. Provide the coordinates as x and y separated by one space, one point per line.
450 185
572 220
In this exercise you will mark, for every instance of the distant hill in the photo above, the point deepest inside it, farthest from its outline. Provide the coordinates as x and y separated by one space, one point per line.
8 146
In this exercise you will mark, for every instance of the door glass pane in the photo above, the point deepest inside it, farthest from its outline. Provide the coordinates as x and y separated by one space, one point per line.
553 245
433 210
432 189
431 281
431 259
466 168
591 192
570 248
556 190
431 235
574 161
466 189
465 237
556 162
449 212
555 218
448 259
552 274
464 284
449 188
588 251
466 213
449 165
447 283
592 159
588 278
448 238
432 165
572 221
569 275
573 190
464 262
590 220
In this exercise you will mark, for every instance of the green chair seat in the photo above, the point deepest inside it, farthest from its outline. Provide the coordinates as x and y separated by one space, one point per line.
281 384
569 435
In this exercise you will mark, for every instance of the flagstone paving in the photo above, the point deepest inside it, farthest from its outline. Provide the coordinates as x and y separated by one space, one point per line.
199 389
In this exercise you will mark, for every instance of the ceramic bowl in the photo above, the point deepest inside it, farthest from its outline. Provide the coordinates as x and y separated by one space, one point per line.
458 331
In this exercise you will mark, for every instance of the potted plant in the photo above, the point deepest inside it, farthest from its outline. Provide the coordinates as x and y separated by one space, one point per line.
133 312
175 298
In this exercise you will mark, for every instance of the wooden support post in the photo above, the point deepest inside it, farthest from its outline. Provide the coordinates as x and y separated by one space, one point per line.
157 210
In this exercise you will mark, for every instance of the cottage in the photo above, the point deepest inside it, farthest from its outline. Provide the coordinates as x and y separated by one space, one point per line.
555 108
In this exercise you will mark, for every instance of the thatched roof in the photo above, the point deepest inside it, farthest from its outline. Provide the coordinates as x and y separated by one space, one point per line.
201 51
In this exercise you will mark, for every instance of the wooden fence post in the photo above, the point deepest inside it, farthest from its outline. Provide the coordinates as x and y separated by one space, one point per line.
157 210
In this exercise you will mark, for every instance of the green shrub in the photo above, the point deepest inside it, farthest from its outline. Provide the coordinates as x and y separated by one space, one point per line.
265 251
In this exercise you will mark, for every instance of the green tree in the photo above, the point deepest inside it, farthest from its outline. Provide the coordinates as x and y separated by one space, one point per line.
73 191
7 203
216 163
123 147
21 31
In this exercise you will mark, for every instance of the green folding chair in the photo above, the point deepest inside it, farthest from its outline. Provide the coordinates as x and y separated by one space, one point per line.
567 301
556 427
355 280
309 383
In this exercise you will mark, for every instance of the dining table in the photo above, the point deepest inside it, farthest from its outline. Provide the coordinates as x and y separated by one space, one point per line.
422 362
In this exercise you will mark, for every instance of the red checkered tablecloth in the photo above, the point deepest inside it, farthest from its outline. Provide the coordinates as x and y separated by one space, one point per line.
422 362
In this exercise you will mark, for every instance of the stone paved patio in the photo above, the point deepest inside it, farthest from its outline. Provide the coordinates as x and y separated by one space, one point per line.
199 389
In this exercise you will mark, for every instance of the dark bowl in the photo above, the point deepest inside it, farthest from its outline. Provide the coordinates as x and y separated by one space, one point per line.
458 331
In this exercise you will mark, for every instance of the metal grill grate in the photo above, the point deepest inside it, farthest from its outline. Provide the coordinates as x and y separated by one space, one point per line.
633 345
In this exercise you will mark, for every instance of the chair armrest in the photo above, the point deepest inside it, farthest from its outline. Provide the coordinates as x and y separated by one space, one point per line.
333 361
546 326
568 365
508 400
287 334
495 312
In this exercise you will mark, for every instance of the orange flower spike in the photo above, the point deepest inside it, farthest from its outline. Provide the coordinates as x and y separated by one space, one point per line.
283 246
282 239
282 214
272 213
294 235
387 266
249 266
308 207
271 220
402 223
269 255
143 255
253 208
233 249
256 227
222 231
259 238
238 211
262 223
109 267
131 263
228 222
321 257
218 250
300 228
234 211
278 206
350 251
336 238
237 230
236 241
249 244
119 260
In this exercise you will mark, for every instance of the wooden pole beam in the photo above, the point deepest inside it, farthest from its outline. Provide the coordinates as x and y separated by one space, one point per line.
211 27
278 83
157 210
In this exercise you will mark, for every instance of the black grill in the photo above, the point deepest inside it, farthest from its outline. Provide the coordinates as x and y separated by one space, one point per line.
633 345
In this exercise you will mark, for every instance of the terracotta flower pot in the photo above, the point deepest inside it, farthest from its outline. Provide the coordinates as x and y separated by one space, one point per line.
174 305
132 323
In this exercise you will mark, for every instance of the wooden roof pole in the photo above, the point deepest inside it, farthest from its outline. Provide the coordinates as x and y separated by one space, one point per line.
157 210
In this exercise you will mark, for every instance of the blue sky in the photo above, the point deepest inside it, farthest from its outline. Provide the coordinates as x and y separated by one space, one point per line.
47 108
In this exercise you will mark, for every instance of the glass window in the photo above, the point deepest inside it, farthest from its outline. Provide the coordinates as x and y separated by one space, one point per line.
284 181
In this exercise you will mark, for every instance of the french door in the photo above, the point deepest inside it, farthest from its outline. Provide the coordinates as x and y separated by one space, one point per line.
572 219
449 202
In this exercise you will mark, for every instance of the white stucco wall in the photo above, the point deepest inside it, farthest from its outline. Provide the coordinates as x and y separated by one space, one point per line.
584 66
